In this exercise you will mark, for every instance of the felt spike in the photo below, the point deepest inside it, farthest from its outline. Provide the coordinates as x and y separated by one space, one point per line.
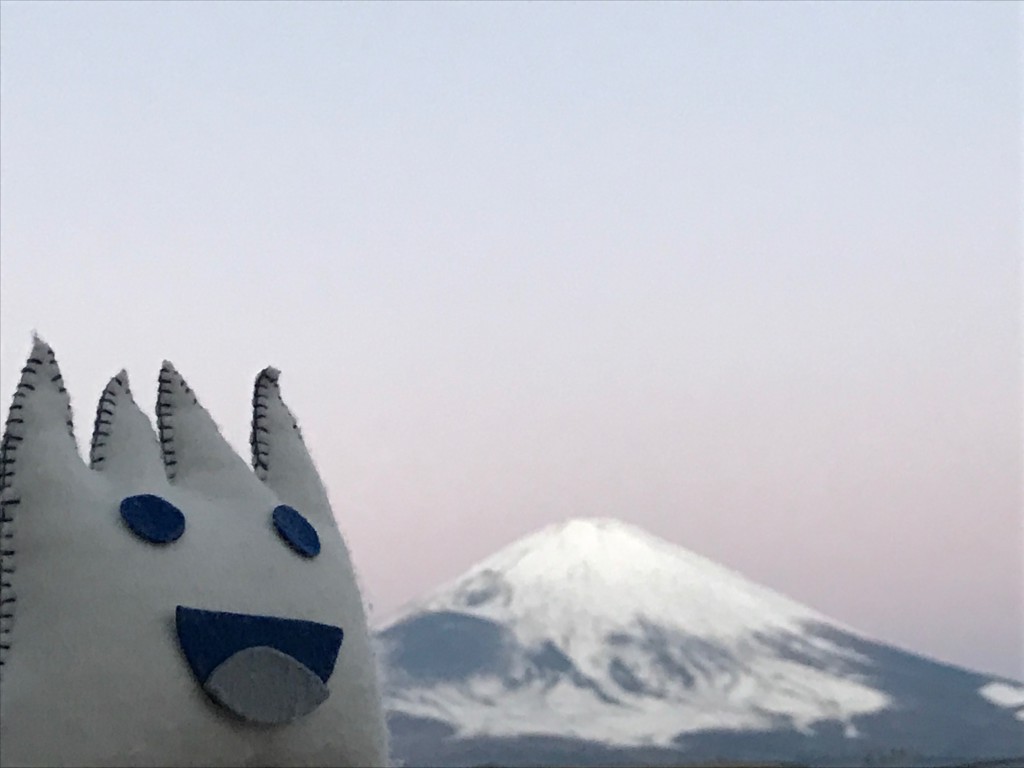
124 446
110 399
41 400
38 441
190 441
279 454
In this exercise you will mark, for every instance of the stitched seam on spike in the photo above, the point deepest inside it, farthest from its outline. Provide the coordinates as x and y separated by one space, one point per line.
62 390
9 503
165 430
257 437
102 425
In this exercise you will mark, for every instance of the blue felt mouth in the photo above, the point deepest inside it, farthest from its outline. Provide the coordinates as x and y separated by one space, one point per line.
209 638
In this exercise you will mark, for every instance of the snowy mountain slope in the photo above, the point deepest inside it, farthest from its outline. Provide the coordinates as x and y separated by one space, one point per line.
596 631
1006 695
676 641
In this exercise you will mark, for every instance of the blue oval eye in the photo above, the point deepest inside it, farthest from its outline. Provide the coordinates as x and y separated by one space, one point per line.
296 530
152 518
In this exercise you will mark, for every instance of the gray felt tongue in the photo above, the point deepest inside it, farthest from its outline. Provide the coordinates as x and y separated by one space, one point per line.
266 686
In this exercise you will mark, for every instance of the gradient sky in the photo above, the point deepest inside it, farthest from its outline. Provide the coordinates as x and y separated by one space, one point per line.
746 275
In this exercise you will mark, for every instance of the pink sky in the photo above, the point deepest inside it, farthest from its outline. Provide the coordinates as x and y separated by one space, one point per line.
746 275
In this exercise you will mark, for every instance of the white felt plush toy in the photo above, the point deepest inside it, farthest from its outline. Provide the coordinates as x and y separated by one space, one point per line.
167 604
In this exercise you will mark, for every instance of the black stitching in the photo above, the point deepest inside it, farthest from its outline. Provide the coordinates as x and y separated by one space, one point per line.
104 418
260 445
165 430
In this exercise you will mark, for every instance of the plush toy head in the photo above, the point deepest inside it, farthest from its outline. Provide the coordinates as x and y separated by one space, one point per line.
168 605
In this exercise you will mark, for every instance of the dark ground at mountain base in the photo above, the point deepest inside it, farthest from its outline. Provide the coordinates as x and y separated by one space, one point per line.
424 742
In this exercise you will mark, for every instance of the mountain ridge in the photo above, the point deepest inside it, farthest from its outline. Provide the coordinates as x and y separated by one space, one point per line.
597 632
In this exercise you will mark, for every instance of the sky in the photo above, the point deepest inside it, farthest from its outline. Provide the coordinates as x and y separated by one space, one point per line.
746 275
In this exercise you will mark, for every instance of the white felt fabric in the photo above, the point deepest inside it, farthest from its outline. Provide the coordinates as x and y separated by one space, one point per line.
94 674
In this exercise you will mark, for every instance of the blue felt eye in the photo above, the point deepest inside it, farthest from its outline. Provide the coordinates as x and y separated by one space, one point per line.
152 518
296 530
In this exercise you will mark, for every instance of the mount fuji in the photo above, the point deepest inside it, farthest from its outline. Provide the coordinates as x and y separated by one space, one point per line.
593 641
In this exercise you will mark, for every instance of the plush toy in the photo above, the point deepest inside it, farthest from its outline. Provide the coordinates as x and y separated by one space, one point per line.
167 604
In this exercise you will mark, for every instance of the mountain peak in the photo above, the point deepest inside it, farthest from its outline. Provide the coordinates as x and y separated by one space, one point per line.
588 536
589 576
596 526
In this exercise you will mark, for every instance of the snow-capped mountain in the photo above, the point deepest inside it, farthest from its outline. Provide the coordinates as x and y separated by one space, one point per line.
596 633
